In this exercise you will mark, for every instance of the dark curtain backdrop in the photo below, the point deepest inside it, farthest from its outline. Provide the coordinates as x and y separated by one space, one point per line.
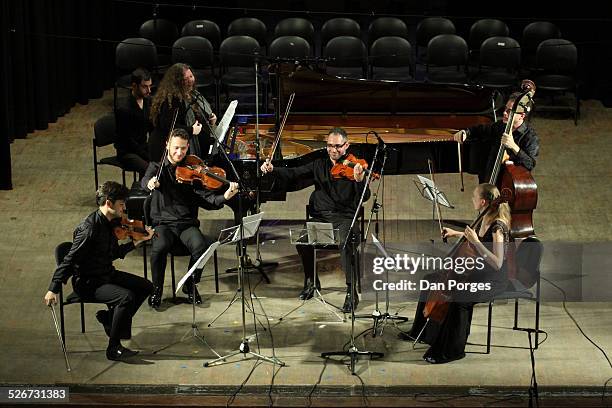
43 73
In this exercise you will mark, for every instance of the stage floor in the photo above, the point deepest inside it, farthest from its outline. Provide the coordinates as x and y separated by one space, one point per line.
54 190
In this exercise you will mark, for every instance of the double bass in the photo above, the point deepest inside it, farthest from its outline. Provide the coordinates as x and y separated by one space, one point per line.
516 182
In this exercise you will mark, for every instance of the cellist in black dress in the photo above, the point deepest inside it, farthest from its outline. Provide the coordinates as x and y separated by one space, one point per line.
490 241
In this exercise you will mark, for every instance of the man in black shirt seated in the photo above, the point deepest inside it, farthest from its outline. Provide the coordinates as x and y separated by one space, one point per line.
90 263
522 145
133 124
334 201
174 214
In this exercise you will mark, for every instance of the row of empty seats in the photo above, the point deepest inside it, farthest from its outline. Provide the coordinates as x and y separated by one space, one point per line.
489 57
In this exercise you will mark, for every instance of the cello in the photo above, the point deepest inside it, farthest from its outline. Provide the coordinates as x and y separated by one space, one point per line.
516 182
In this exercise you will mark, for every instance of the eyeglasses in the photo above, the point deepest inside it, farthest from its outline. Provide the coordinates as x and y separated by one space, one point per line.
336 146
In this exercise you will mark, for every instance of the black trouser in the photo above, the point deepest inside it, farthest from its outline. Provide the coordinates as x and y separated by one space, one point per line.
135 162
167 238
347 255
123 293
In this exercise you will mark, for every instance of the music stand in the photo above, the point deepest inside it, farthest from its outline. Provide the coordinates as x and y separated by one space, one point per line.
247 229
431 192
315 234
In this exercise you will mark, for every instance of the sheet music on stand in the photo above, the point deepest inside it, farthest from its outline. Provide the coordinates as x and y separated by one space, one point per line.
225 121
321 233
428 190
226 236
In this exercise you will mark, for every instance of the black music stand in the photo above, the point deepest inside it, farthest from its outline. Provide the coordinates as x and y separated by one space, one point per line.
353 352
431 192
376 314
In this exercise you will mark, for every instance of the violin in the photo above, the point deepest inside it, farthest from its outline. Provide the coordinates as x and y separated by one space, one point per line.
345 168
130 228
210 177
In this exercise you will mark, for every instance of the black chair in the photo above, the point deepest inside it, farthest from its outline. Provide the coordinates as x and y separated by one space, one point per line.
203 28
179 249
130 54
197 52
339 27
251 27
237 64
483 29
386 27
290 46
556 62
295 26
163 33
336 247
447 56
527 258
391 59
499 62
533 34
347 57
60 252
104 135
427 29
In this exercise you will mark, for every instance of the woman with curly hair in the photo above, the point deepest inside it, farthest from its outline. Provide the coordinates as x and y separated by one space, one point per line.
177 91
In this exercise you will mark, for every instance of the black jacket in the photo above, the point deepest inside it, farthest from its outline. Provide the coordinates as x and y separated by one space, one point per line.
489 136
133 126
174 202
94 248
331 197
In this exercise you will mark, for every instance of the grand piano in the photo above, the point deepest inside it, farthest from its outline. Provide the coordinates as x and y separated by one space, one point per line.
416 119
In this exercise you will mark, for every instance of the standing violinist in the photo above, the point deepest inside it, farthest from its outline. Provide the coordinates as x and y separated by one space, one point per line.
522 145
177 91
90 263
334 201
174 214
490 241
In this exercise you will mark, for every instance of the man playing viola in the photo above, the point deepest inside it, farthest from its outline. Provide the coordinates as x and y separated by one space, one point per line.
90 263
174 214
334 201
522 145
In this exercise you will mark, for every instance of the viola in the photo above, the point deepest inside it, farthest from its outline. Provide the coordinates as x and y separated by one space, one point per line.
194 169
130 228
345 168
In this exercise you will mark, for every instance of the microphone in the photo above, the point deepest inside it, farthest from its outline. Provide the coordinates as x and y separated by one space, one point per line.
381 142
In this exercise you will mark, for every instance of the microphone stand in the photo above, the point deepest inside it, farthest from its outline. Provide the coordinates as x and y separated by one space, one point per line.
379 318
244 344
353 352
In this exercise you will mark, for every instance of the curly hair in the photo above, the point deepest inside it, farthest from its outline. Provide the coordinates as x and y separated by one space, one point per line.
170 87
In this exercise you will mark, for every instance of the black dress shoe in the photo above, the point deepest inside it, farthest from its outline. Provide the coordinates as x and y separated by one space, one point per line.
156 298
119 353
105 317
349 304
193 296
306 293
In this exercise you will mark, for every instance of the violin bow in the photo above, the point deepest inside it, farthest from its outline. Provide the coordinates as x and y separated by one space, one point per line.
163 158
282 126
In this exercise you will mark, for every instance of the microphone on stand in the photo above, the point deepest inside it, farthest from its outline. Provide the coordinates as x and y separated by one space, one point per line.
381 142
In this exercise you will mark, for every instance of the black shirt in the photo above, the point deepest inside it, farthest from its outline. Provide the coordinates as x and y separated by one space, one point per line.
175 202
490 135
133 125
94 248
331 197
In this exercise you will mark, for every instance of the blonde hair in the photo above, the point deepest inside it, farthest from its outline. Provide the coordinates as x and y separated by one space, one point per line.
489 192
